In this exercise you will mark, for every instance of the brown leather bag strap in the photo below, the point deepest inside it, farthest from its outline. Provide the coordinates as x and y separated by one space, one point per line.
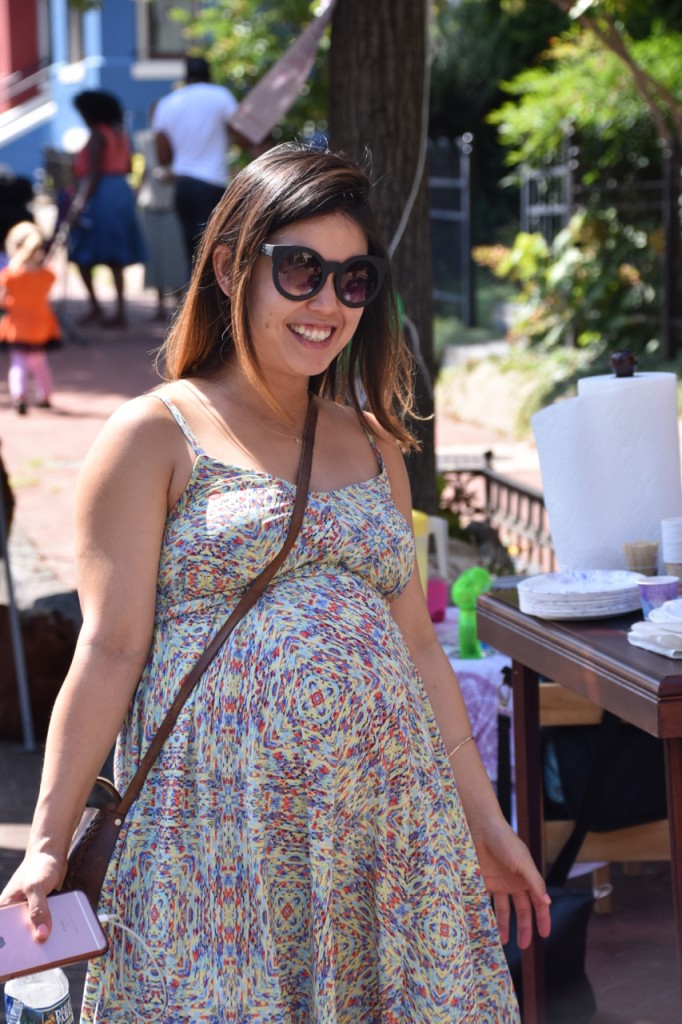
247 601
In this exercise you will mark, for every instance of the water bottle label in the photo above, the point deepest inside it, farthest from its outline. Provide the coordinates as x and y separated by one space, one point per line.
59 1013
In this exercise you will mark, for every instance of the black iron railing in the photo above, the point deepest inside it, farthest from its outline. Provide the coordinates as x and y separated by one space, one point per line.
515 510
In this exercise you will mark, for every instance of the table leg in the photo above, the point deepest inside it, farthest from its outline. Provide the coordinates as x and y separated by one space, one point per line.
528 774
673 772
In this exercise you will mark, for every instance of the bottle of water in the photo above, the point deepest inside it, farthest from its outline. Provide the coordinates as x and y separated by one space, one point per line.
39 999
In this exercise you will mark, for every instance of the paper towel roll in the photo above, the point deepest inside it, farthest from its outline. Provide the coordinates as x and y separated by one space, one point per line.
610 464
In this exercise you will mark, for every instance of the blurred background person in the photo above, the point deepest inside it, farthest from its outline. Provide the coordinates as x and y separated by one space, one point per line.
193 139
102 220
29 325
167 265
16 197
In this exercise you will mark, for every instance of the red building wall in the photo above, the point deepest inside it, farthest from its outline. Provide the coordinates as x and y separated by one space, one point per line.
18 47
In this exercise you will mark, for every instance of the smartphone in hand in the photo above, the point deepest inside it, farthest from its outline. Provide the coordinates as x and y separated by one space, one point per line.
76 935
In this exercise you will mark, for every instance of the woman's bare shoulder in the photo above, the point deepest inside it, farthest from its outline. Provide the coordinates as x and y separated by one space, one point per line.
393 461
144 423
346 416
386 442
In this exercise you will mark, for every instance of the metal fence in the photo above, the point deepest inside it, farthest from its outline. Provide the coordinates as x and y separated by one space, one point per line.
549 195
516 511
451 215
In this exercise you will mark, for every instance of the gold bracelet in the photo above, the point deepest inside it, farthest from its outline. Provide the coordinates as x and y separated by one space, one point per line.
460 745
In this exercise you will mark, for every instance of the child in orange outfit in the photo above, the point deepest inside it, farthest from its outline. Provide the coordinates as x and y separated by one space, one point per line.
29 325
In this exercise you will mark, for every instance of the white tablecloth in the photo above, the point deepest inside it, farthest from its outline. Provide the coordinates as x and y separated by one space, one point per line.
480 680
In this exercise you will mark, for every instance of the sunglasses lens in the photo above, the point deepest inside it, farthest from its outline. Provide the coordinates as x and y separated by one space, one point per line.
358 283
299 273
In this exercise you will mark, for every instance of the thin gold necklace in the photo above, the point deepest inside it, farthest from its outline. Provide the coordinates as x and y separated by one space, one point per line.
199 399
290 437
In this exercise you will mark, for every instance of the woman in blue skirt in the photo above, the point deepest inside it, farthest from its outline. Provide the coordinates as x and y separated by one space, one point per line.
102 219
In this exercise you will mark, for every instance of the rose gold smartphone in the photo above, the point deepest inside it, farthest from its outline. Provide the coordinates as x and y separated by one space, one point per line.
76 935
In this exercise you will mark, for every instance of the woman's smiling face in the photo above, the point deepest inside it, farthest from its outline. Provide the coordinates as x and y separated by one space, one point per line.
301 338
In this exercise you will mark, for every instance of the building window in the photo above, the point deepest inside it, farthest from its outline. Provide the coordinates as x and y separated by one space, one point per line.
164 34
75 36
44 31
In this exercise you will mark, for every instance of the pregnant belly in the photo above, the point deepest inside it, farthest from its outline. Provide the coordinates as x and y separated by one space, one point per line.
326 659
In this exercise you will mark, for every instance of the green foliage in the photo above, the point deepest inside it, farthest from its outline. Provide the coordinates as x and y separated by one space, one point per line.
636 17
553 375
595 284
537 377
242 39
582 85
475 44
492 295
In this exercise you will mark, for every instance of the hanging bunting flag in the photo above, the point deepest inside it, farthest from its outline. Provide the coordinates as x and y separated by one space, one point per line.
275 93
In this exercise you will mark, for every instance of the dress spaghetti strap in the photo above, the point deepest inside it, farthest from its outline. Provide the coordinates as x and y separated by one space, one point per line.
182 423
375 447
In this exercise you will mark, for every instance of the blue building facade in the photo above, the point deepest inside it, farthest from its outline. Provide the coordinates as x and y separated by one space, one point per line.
127 47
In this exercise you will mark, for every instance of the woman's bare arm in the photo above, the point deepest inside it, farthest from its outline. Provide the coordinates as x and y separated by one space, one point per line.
121 507
507 866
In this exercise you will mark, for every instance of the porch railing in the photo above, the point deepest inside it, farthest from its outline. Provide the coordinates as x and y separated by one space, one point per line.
515 510
19 86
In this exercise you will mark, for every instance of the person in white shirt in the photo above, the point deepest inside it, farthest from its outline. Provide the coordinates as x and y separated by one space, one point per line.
192 138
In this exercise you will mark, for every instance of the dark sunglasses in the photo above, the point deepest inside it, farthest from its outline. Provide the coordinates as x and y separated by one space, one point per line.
299 273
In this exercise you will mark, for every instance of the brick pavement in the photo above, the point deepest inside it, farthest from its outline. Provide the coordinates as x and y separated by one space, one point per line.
94 372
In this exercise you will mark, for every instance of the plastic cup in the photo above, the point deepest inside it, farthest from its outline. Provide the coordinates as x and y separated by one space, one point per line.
655 591
437 598
420 523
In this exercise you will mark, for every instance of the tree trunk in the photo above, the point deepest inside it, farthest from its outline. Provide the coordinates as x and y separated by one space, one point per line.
377 63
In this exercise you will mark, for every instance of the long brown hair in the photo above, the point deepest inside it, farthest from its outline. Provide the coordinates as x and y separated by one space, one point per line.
292 183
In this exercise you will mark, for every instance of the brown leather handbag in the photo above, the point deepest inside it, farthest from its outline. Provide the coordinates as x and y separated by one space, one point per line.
95 838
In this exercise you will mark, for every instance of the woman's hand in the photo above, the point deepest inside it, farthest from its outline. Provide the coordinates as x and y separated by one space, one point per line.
508 871
38 875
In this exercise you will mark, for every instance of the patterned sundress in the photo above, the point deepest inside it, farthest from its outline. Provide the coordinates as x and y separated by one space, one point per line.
299 853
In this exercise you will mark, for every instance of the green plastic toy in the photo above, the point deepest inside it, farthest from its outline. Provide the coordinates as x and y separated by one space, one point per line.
465 593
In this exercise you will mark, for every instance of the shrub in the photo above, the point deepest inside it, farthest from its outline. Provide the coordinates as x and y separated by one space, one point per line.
597 283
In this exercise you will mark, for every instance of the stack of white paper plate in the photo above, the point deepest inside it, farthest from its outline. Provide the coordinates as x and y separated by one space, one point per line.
581 594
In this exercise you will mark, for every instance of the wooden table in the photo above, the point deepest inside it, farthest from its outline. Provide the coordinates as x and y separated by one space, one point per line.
592 658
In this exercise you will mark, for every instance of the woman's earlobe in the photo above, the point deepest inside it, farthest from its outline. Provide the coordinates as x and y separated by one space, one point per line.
222 267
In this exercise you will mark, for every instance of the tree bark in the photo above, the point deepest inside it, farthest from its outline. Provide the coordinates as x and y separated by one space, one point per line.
377 73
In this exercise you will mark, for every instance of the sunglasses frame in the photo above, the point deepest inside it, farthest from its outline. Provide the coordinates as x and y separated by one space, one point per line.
279 253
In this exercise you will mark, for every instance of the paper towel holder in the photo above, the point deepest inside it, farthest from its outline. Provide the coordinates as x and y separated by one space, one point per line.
623 363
